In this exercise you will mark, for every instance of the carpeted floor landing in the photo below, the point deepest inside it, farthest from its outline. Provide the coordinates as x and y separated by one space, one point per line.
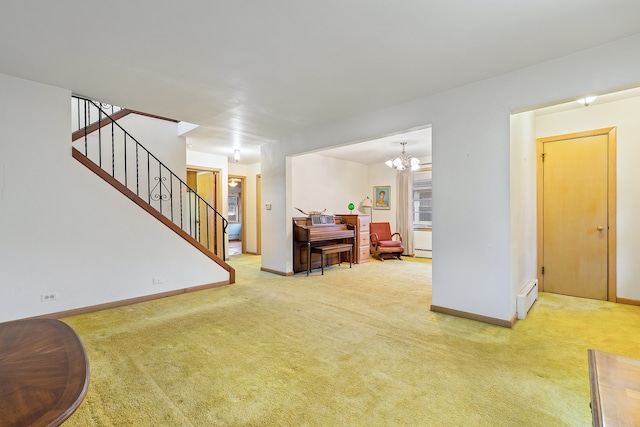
355 347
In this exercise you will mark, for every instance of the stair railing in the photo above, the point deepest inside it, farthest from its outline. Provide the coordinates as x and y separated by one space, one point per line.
115 151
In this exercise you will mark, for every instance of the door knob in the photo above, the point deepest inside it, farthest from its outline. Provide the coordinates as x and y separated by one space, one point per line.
600 228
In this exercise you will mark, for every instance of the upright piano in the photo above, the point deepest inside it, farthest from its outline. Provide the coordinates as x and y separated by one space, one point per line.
311 231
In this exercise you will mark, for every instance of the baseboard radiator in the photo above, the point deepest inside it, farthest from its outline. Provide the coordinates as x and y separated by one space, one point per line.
526 297
422 253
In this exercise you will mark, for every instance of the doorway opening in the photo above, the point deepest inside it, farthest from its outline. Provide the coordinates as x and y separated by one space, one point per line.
236 215
206 184
330 183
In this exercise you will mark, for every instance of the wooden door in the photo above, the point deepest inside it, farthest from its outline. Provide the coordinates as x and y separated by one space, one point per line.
206 183
576 214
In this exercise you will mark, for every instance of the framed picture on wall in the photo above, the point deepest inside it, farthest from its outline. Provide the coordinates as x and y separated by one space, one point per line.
382 197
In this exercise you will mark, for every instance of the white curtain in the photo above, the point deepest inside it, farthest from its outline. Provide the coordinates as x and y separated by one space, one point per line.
404 213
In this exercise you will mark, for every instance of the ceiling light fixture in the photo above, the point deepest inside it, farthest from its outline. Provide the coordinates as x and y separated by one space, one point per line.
403 161
236 155
586 101
233 182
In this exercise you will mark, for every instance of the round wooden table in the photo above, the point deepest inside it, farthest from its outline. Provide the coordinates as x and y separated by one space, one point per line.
44 372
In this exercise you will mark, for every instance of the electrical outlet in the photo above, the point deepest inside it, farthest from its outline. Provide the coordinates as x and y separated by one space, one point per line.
156 281
49 297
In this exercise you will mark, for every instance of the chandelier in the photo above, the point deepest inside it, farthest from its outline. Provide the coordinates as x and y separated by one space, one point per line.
403 161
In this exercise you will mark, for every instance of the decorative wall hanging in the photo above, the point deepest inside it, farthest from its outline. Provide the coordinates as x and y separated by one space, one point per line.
382 197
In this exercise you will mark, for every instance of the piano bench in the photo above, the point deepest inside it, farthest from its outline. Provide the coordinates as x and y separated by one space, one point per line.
333 249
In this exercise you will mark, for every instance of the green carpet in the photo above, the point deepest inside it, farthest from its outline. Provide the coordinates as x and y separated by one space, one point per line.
355 347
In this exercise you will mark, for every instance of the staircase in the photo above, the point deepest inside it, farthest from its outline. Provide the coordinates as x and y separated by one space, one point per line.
109 151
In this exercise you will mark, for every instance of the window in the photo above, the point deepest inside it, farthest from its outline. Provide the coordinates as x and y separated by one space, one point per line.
234 209
422 199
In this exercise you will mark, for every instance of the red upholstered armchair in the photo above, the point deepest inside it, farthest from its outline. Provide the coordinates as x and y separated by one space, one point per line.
382 241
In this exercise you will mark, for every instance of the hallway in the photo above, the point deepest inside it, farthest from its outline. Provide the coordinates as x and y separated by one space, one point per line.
235 247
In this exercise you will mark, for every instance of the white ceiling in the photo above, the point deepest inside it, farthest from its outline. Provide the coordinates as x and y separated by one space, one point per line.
418 144
251 71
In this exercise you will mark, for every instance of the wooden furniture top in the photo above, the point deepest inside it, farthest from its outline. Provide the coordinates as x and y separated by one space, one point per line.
44 372
303 231
615 389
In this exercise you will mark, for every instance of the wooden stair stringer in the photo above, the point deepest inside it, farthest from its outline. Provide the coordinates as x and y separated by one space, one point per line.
80 133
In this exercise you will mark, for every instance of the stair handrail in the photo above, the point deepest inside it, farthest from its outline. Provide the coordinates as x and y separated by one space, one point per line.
160 184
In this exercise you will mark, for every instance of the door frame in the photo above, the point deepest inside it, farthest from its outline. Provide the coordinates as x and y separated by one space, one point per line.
610 132
217 182
258 214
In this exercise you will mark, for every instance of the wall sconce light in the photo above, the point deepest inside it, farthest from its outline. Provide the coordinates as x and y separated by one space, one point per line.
586 101
236 155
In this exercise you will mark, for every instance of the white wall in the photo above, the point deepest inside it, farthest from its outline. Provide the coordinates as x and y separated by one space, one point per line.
463 172
523 202
161 138
64 230
383 175
472 270
624 116
320 182
197 159
277 247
